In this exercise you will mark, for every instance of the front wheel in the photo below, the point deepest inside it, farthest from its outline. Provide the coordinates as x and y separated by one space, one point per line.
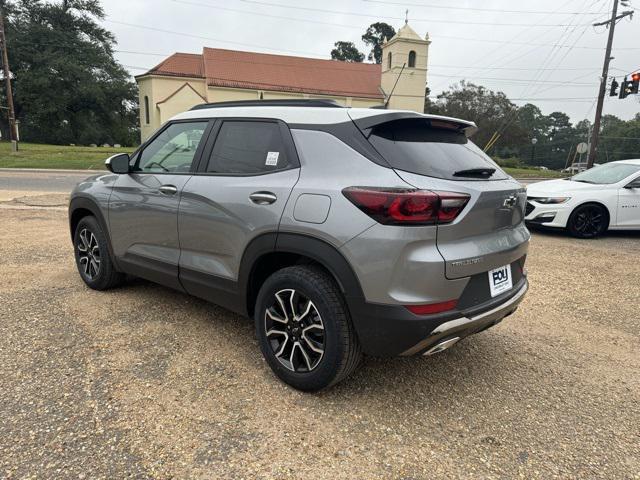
92 256
304 328
588 221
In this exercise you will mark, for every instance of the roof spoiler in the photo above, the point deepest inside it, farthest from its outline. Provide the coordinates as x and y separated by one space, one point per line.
366 124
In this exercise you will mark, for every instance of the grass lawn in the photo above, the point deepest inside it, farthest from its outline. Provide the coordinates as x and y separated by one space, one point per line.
533 173
32 155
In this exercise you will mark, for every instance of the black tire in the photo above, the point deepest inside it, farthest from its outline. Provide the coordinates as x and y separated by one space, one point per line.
89 237
341 350
588 221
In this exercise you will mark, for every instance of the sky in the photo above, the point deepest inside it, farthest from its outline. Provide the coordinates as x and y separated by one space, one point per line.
545 52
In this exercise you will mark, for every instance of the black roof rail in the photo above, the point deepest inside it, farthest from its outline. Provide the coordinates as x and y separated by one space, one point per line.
296 102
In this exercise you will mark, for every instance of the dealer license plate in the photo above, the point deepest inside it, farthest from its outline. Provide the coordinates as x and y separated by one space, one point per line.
500 280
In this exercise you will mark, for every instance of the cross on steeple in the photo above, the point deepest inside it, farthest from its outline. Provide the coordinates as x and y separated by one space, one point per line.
406 16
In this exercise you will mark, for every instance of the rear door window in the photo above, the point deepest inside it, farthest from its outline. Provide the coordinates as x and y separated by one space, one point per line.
248 148
415 146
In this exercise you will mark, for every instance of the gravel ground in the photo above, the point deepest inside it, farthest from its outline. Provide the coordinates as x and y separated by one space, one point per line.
144 382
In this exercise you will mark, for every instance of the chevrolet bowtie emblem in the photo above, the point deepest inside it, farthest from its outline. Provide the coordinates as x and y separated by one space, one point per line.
510 201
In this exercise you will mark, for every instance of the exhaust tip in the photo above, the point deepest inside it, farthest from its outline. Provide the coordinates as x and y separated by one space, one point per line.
442 346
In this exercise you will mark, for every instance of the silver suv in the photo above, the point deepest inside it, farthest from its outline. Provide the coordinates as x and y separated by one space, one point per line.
341 231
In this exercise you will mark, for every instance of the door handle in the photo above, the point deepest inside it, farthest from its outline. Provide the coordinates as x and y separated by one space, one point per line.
168 189
263 198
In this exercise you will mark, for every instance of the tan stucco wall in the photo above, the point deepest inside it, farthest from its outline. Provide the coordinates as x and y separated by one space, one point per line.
162 108
182 100
219 94
160 88
167 98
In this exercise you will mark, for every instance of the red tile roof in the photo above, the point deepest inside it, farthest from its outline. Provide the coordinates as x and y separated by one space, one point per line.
237 69
180 65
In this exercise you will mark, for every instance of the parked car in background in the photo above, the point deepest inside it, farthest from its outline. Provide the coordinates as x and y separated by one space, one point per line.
340 231
577 167
606 197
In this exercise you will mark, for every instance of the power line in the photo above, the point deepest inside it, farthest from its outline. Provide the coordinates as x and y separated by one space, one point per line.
511 117
568 69
525 80
497 49
202 37
334 12
515 42
449 7
593 148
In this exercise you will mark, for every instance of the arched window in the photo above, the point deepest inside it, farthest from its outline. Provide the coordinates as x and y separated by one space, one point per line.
146 110
412 59
389 60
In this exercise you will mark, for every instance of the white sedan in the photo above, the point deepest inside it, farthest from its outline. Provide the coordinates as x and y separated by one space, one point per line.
604 198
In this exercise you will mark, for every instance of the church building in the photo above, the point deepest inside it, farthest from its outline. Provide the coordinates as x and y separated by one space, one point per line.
184 80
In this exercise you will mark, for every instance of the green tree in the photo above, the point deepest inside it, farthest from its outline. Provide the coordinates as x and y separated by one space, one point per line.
374 37
346 52
491 111
68 87
533 121
619 139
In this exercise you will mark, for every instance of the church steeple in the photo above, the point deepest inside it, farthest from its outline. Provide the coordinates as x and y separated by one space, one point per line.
406 49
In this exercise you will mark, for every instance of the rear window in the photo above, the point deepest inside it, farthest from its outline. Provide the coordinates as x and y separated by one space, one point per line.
415 146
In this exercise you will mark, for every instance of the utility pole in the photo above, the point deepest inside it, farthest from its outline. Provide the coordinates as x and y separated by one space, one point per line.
611 24
7 81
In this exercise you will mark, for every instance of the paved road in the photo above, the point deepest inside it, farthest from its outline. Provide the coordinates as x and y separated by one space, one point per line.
143 382
40 180
61 181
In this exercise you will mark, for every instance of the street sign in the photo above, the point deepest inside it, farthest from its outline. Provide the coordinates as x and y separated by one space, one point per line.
582 148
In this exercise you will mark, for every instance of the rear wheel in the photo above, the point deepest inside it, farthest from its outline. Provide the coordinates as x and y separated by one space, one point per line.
304 328
92 256
588 221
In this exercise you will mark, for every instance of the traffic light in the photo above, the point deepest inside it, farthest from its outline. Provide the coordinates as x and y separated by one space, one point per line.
630 87
635 82
625 88
614 88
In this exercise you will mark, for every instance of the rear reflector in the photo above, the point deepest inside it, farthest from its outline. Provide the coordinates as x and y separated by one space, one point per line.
431 308
396 206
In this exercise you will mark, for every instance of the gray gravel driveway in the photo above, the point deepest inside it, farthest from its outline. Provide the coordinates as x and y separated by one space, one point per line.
144 382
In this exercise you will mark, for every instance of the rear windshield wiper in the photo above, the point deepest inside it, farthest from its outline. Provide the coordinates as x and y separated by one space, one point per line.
475 172
583 181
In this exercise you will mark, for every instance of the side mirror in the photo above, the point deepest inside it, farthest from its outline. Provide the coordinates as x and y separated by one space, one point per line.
118 163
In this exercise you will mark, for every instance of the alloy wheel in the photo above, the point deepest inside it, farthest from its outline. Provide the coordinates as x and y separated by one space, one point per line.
88 253
295 331
589 221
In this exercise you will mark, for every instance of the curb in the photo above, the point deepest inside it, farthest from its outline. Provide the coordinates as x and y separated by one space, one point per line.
51 170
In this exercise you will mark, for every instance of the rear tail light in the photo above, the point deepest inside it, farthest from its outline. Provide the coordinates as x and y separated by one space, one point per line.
395 206
431 308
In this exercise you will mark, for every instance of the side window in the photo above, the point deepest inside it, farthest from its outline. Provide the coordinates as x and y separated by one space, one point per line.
412 59
173 150
248 148
146 110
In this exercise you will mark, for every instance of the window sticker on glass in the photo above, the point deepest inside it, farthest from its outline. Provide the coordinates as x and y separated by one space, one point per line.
272 159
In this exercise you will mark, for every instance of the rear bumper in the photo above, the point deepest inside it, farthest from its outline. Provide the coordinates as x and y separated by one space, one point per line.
468 325
391 330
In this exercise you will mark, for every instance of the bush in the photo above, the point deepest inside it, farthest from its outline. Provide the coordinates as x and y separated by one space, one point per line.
509 162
